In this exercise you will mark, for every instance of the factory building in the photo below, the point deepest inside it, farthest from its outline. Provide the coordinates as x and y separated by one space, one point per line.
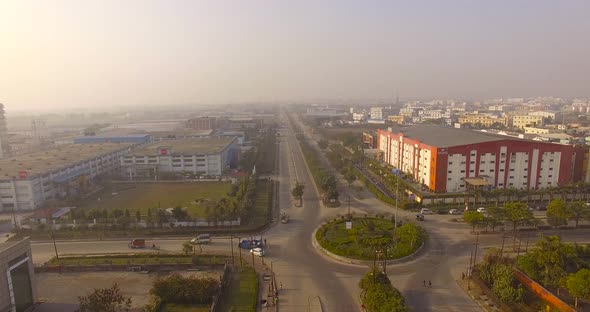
205 156
442 158
133 139
27 181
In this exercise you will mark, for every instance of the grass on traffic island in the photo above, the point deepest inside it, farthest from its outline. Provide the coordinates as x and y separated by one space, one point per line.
171 307
137 259
366 235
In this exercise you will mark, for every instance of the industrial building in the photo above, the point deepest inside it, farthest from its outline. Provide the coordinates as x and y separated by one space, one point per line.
17 277
4 147
202 123
206 156
443 158
132 139
28 181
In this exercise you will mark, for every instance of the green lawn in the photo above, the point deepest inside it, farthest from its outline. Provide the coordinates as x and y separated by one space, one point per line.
137 259
141 196
242 294
358 242
170 307
263 205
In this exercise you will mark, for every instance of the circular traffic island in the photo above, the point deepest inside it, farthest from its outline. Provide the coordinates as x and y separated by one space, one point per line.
366 238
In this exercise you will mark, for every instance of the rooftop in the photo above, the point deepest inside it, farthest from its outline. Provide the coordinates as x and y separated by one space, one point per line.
445 136
186 147
56 158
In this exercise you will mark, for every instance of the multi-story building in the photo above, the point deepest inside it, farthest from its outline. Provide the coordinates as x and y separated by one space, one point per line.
17 281
27 181
431 114
209 156
398 119
441 158
370 139
379 113
485 120
202 123
4 147
359 117
521 121
544 114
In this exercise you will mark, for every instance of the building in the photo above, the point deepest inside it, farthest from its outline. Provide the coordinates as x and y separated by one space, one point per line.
544 114
209 156
398 119
202 123
132 139
27 181
239 123
370 140
4 147
379 113
359 117
533 130
521 121
17 278
484 120
441 158
432 114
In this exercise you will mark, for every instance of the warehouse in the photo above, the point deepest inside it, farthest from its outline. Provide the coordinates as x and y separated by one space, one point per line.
27 181
132 138
204 156
442 158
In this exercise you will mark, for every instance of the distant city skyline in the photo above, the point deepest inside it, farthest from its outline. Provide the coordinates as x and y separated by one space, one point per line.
66 54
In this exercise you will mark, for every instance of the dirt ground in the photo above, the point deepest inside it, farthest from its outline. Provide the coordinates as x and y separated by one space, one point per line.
67 287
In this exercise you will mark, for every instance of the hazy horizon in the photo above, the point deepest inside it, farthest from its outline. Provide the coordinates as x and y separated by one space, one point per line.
63 54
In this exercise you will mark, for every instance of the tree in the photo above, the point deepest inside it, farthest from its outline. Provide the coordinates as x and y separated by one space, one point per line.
578 210
496 216
297 191
578 285
323 144
473 218
185 290
517 213
187 248
105 300
505 285
557 213
349 176
179 214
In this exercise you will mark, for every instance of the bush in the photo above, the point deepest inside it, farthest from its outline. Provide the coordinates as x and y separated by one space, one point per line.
185 290
378 295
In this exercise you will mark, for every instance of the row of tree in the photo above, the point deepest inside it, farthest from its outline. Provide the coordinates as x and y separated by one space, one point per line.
379 295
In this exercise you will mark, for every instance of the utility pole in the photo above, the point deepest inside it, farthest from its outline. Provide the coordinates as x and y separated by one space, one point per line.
231 240
349 215
251 240
240 251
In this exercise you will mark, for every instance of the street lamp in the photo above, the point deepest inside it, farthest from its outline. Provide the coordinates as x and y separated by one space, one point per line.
272 276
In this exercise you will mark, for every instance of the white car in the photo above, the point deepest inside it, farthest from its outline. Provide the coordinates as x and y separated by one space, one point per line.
258 252
481 210
425 211
455 212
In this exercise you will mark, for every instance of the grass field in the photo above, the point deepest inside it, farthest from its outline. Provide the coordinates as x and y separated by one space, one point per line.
165 195
242 294
263 205
170 307
137 259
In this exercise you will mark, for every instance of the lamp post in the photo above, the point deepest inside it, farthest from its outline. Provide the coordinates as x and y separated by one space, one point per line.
272 276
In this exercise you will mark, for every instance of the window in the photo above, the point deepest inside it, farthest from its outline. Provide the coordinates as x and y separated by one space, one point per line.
481 170
503 154
501 170
462 185
525 176
550 176
482 162
501 184
526 169
550 169
472 154
526 160
450 171
548 183
511 177
449 179
450 162
550 160
492 162
472 162
462 163
471 170
511 184
462 171
491 170
503 161
512 169
523 183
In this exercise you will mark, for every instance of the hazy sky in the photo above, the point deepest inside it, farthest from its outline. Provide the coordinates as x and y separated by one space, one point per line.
108 53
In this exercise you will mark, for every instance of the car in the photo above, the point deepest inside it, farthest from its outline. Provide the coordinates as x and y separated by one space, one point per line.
420 217
425 211
481 210
201 239
455 212
258 252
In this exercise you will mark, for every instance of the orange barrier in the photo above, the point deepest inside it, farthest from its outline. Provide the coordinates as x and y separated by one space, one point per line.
541 292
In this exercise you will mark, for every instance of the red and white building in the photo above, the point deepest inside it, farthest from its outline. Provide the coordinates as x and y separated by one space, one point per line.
441 158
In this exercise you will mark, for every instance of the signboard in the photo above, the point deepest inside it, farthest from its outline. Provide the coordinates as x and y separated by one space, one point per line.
348 225
163 151
22 174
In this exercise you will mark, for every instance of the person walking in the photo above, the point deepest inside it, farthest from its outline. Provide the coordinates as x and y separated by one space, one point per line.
281 286
430 284
424 283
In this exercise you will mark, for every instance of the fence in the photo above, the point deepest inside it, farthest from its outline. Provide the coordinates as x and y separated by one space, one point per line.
541 292
225 281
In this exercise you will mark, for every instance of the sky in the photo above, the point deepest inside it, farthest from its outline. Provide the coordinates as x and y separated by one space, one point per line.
109 53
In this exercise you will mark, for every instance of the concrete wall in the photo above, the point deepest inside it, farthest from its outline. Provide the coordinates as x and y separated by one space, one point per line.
7 254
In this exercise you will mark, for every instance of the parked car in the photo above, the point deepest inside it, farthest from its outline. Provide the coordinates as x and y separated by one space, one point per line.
249 244
455 212
481 210
201 239
420 217
258 252
425 211
137 243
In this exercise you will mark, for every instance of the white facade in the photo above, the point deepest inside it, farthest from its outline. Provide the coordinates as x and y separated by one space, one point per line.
379 113
543 114
31 190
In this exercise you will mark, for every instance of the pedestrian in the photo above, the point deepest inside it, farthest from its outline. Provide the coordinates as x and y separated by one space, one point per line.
462 275
424 282
265 242
281 286
429 284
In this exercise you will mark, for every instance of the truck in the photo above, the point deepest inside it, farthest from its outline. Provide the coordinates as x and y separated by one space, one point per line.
137 243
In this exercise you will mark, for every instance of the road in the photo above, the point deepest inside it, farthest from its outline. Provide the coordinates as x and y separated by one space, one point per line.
307 275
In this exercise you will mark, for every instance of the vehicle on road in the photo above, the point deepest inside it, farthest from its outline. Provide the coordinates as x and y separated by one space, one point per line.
258 252
425 211
137 243
481 210
250 244
201 239
284 218
455 212
420 217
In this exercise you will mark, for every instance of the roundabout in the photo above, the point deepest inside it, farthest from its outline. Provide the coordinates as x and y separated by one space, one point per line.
363 240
